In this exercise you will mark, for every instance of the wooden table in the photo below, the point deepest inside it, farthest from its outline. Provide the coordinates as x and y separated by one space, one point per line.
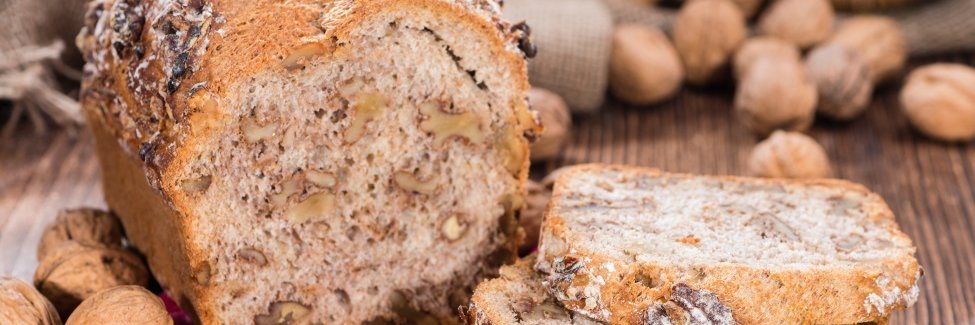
928 184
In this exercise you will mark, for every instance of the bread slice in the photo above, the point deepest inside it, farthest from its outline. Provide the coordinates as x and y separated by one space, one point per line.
320 161
626 245
518 297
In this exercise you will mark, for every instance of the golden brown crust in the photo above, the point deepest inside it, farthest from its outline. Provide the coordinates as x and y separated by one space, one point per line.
153 63
862 293
154 227
517 296
157 68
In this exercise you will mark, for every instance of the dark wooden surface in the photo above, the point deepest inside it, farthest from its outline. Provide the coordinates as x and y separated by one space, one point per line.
928 184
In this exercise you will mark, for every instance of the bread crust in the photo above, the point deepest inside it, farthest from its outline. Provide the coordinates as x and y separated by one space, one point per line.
608 288
153 85
517 296
157 69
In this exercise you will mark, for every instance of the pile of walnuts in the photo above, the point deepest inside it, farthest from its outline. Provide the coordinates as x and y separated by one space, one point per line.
802 62
85 275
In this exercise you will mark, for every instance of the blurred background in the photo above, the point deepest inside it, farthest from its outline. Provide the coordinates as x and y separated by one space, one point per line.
880 92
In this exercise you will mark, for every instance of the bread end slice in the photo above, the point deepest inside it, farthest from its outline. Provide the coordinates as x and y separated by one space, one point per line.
518 297
621 244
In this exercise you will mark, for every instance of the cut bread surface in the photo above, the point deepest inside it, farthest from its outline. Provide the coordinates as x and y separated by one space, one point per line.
517 296
616 240
368 166
364 167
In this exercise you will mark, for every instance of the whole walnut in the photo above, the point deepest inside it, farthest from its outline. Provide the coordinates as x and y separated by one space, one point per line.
877 40
20 303
802 22
775 94
76 271
939 100
706 33
842 81
87 226
121 305
556 120
644 67
760 48
789 155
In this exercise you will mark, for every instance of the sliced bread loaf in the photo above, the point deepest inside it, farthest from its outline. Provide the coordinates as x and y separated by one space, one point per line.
312 161
518 297
626 245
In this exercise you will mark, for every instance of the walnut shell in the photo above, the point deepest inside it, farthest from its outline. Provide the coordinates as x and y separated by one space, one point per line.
121 305
644 67
87 226
706 33
776 94
802 22
76 271
877 40
842 81
556 120
759 48
939 100
789 155
20 303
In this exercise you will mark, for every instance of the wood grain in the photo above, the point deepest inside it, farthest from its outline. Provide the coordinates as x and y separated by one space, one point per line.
928 184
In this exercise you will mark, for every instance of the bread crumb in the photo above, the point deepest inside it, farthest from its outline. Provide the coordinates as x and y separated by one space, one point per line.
689 240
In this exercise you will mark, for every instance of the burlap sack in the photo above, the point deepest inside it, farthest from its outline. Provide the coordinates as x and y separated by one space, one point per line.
574 43
946 26
36 50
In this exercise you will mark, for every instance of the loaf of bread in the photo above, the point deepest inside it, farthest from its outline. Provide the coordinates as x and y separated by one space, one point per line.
517 296
312 161
632 245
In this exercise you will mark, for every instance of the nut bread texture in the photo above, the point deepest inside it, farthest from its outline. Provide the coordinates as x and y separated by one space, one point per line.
518 297
618 243
342 161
